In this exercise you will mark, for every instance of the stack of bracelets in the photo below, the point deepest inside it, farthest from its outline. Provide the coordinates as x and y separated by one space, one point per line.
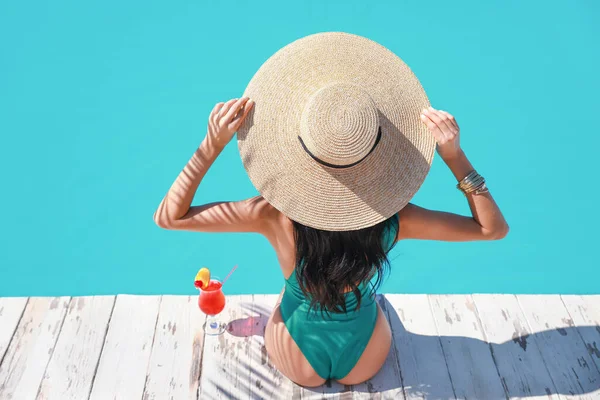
472 183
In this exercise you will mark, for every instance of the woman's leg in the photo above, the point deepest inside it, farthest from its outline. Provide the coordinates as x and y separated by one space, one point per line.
285 354
375 353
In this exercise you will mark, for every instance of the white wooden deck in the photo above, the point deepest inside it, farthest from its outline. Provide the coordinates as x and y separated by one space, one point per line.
153 347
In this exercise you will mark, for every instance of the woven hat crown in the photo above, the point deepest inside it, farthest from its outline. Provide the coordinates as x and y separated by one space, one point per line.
339 124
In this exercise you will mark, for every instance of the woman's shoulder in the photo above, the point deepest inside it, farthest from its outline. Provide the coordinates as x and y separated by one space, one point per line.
264 209
268 214
280 233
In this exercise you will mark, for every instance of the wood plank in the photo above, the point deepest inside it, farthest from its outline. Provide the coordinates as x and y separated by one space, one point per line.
387 384
225 360
315 393
418 347
124 361
332 390
11 310
31 348
266 382
71 370
175 361
522 369
585 311
566 357
470 363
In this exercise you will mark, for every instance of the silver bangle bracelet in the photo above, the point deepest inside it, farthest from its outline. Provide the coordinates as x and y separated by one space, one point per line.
473 182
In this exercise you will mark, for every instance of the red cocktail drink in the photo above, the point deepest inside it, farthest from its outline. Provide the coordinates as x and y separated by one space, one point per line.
211 302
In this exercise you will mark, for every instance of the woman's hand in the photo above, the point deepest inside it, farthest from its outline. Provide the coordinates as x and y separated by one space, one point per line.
226 118
445 130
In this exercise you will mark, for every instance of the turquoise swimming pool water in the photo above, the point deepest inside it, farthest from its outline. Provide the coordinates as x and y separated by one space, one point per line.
103 103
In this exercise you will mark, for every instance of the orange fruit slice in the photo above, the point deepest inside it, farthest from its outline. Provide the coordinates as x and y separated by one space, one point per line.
202 278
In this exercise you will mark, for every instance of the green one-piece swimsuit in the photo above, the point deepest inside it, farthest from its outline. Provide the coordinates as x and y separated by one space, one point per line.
331 342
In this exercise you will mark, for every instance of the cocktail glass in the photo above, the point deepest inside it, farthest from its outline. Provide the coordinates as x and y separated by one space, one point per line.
211 302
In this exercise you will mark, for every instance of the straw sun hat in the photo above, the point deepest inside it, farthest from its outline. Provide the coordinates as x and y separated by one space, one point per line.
335 141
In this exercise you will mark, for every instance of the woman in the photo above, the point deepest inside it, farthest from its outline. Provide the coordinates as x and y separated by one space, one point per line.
333 254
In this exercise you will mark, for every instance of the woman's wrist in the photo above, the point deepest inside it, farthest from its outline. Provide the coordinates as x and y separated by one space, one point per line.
210 146
459 164
451 156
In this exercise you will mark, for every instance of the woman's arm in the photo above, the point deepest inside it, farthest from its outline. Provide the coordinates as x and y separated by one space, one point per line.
486 221
175 210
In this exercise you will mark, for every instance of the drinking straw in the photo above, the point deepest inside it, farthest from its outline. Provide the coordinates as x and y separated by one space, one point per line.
228 275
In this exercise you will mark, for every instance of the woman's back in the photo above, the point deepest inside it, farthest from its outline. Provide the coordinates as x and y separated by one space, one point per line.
330 264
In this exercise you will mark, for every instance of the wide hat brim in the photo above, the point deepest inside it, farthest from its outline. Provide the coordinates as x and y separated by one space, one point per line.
335 199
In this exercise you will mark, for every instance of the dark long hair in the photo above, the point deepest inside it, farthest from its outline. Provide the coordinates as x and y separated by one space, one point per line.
329 263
